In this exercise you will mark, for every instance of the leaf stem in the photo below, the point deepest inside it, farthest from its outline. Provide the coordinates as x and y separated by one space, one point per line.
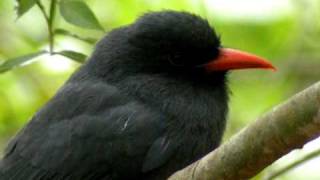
49 20
50 24
41 7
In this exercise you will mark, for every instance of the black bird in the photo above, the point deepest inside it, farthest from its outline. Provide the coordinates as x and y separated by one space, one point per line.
151 100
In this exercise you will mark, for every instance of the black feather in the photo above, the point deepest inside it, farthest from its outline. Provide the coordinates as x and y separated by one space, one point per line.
142 107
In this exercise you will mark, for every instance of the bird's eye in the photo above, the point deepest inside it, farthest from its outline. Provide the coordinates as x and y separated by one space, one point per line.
176 59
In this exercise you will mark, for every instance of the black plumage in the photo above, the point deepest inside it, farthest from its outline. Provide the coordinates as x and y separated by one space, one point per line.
142 107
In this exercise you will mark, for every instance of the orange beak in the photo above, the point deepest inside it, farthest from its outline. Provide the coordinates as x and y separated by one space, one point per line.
230 59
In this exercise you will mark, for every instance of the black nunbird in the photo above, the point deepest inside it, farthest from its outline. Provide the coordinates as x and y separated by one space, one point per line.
151 100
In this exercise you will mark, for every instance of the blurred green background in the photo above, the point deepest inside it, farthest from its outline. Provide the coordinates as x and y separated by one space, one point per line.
287 32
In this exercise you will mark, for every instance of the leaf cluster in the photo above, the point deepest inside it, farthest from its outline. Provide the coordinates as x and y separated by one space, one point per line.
75 12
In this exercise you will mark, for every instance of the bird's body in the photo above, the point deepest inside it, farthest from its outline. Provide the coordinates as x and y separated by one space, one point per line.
140 108
99 130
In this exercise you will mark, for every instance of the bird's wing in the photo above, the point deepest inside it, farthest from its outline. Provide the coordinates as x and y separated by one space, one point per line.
86 131
159 153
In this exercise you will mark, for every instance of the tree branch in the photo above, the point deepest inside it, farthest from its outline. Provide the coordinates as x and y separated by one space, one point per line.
286 127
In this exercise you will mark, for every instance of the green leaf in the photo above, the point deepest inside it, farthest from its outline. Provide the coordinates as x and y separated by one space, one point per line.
19 61
76 56
78 13
24 6
67 33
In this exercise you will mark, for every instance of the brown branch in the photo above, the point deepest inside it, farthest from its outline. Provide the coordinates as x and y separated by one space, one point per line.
286 127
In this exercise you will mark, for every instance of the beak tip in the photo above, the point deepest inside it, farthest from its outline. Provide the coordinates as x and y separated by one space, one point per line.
271 67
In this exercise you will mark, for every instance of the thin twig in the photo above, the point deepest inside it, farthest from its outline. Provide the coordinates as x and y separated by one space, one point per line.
50 24
41 7
49 20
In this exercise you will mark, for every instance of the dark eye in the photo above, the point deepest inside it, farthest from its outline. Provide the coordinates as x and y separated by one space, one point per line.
176 59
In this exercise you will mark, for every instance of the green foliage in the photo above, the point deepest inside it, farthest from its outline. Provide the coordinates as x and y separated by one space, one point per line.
68 33
19 61
73 11
24 6
79 14
76 56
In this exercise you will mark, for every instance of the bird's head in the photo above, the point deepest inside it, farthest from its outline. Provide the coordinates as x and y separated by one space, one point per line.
174 43
173 60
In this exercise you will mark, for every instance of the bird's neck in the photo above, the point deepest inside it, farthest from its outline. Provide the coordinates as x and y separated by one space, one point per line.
189 105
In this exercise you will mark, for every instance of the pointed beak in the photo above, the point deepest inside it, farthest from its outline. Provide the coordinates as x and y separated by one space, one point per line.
231 59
